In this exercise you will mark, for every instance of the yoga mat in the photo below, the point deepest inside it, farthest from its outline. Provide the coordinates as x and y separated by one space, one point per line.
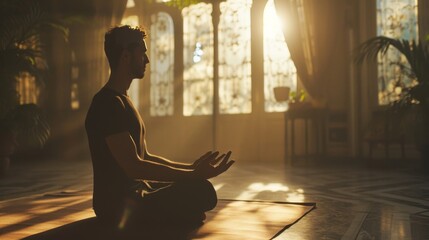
232 219
70 216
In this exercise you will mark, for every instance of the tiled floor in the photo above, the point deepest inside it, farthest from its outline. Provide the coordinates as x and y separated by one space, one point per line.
353 202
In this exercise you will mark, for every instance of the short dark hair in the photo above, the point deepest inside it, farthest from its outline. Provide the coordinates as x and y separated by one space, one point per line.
119 38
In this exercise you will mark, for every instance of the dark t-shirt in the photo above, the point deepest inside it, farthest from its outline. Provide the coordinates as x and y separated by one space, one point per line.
110 113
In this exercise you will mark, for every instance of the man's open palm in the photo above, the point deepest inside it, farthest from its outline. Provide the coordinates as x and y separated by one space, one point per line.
210 165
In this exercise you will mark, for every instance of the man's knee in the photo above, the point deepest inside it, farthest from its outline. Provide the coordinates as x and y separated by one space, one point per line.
208 193
200 192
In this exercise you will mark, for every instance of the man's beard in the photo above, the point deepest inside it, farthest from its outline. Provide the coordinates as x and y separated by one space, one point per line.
139 75
138 72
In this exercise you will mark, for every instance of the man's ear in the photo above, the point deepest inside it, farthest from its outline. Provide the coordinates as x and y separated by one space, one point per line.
125 56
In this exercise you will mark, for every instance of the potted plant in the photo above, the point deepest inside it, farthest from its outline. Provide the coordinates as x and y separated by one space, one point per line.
177 3
297 100
413 98
21 51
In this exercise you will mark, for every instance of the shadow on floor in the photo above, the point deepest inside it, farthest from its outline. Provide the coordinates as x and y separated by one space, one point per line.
91 228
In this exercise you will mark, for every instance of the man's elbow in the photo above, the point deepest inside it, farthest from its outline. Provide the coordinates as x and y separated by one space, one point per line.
130 168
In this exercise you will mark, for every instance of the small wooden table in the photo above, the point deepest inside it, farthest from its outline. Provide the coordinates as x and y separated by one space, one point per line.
309 114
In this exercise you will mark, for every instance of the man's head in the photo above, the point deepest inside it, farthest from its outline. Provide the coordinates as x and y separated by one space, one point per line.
125 46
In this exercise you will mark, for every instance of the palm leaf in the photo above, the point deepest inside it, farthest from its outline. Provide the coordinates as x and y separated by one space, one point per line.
417 54
20 44
21 50
30 124
19 22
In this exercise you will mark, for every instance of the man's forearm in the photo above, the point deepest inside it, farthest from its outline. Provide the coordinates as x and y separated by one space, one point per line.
152 171
164 161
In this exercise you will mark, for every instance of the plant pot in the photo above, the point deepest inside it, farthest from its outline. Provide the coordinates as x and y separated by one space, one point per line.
281 94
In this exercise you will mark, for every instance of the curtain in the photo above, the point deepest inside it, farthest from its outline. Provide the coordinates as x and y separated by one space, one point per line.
310 28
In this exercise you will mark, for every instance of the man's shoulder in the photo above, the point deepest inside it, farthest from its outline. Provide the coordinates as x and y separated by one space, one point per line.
102 104
107 98
103 93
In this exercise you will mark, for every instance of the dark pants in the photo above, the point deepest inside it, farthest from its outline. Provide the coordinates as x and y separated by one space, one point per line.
177 203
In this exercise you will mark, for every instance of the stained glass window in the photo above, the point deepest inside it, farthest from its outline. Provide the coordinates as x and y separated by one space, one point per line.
234 57
395 19
197 60
279 68
162 65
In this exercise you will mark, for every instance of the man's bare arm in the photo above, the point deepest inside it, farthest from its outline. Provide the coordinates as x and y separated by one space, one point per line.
164 161
123 149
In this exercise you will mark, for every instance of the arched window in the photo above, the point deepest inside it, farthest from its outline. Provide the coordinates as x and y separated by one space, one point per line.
279 69
235 83
234 48
162 65
198 60
395 19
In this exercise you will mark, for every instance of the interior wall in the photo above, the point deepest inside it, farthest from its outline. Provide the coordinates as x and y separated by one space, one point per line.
338 134
423 18
261 131
177 138
364 25
181 138
90 21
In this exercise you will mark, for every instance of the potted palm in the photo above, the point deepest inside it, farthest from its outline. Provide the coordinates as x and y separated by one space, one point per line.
413 98
21 51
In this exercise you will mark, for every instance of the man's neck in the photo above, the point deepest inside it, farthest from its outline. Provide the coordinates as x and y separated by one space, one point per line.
118 83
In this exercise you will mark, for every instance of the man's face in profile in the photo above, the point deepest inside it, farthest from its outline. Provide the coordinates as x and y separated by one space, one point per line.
139 60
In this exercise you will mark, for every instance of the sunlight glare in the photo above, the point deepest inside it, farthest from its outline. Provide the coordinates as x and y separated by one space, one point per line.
276 187
256 186
273 187
16 218
273 21
218 186
295 197
130 4
290 195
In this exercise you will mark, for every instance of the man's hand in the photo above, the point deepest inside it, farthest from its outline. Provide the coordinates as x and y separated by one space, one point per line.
210 165
197 162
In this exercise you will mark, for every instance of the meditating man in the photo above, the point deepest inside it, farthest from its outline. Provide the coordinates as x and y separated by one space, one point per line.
124 170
